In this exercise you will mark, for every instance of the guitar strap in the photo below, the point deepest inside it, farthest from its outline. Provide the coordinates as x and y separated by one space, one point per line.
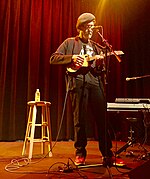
84 48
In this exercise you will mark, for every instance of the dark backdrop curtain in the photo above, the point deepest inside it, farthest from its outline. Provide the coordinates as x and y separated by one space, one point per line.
31 30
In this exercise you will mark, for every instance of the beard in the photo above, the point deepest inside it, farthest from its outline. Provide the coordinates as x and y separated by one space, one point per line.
88 34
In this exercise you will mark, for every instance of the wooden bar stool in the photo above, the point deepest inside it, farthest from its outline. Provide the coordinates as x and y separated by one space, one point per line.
45 125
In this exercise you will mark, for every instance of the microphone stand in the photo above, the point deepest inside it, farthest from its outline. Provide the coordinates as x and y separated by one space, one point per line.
131 141
137 77
108 46
107 70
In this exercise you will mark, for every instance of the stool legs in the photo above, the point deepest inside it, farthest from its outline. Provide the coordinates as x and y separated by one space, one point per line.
29 122
49 131
32 131
45 129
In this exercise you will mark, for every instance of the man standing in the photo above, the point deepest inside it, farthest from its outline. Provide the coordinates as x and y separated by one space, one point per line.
85 87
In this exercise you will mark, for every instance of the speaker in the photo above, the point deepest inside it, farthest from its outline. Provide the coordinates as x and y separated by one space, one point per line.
141 172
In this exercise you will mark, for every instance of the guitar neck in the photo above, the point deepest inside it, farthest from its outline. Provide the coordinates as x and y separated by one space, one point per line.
101 56
88 58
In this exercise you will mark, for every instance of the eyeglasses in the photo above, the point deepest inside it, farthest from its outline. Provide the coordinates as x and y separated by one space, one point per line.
89 26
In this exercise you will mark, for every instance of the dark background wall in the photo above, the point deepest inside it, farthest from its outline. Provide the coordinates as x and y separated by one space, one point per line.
31 30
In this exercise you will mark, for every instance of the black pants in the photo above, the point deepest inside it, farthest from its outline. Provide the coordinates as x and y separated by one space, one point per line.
89 93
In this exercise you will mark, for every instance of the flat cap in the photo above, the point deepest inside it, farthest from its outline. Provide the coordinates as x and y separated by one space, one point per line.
84 18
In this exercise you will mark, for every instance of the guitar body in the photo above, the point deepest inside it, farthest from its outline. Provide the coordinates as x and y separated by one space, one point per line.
86 64
74 69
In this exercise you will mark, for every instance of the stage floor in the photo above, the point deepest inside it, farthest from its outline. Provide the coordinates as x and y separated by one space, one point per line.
63 155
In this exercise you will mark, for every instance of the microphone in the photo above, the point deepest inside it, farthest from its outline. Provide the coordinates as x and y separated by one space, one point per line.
137 77
133 78
96 27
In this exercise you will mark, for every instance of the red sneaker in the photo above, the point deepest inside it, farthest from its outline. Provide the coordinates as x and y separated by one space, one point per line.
118 161
79 160
113 161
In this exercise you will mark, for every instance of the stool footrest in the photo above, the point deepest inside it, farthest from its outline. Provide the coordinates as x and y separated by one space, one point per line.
39 140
